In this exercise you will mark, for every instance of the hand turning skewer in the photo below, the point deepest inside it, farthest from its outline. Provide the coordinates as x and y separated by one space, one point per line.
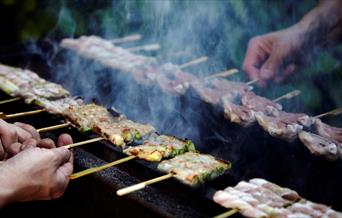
21 114
10 100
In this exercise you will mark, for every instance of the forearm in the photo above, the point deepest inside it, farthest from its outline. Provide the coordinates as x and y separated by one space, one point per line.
323 24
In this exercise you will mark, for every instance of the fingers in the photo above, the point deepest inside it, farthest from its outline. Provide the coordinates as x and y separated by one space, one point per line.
254 58
46 143
63 140
8 134
62 155
2 151
29 129
272 65
289 70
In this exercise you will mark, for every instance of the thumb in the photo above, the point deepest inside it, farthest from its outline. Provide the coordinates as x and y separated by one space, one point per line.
272 66
62 155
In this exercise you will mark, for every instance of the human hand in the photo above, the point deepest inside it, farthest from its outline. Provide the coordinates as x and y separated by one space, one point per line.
276 55
13 136
36 173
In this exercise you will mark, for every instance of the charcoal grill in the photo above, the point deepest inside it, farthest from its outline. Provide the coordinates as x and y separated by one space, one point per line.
252 152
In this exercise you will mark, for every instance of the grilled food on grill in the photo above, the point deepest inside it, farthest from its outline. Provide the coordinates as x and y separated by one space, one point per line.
284 125
194 168
211 91
239 114
29 85
118 130
259 104
58 106
106 53
322 146
327 131
160 146
260 198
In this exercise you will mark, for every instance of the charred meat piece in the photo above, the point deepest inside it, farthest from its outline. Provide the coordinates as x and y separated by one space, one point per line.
238 114
329 132
58 106
212 91
172 79
159 147
284 125
259 104
321 146
193 168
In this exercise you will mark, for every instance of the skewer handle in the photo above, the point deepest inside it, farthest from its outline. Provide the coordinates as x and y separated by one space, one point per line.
194 62
10 100
142 185
252 82
334 112
96 169
4 116
227 214
83 142
223 74
149 47
50 128
129 38
288 95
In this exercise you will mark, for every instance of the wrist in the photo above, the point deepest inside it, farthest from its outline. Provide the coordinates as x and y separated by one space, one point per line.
7 186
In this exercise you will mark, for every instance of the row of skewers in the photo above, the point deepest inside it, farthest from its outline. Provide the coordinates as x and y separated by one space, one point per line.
178 158
240 104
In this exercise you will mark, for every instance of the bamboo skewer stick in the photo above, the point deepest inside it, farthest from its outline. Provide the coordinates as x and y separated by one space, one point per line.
194 62
10 100
129 38
223 74
96 169
84 142
334 112
252 82
149 47
21 114
139 186
288 95
227 214
50 128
